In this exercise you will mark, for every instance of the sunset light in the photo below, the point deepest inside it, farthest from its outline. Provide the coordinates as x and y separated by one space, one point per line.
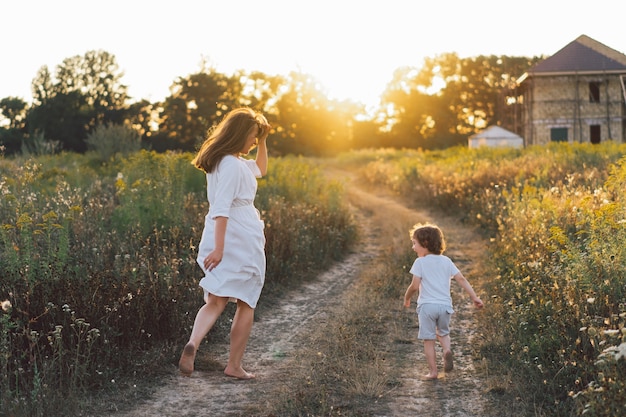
352 47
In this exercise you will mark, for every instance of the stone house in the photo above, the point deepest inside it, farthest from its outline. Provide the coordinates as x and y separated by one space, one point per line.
576 95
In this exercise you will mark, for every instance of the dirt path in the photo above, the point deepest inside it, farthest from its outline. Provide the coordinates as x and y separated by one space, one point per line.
279 332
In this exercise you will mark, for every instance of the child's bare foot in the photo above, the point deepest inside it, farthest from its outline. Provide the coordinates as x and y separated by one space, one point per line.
448 362
185 364
238 373
429 377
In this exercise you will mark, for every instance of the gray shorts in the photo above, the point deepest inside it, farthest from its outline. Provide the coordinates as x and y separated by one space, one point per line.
434 320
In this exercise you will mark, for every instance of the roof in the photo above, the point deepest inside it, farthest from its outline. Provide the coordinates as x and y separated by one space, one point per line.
583 55
495 132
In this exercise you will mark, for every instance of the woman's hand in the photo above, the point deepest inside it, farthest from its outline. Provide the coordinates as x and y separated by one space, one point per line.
264 131
213 259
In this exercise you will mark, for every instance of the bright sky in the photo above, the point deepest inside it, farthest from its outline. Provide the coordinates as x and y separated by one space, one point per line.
351 46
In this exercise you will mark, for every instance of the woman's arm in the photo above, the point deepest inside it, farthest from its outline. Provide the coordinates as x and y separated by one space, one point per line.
261 152
215 256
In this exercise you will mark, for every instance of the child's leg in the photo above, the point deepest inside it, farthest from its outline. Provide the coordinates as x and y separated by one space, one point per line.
443 328
431 358
239 334
448 363
444 341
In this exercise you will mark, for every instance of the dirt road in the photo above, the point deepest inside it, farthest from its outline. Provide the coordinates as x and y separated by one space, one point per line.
278 333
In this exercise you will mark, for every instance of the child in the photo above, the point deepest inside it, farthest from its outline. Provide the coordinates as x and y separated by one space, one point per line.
431 277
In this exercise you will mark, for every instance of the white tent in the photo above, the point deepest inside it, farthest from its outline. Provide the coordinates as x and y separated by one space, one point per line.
495 136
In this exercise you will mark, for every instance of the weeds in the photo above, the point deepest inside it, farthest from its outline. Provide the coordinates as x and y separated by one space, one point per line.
98 264
555 215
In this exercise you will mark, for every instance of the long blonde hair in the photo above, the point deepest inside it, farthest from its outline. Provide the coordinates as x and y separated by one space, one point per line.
228 137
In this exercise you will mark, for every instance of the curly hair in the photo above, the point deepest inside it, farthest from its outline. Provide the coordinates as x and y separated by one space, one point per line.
430 237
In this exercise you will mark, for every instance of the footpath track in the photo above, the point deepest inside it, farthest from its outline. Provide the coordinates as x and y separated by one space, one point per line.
282 330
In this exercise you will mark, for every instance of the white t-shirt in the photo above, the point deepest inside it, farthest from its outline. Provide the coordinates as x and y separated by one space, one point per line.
436 271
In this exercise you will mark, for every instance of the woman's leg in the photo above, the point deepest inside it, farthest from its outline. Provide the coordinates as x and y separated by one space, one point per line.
205 319
239 334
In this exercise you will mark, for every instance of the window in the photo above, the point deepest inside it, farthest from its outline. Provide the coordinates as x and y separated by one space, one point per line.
558 134
594 134
594 92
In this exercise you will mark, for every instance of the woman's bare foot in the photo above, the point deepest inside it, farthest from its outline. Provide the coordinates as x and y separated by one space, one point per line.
238 373
187 358
429 377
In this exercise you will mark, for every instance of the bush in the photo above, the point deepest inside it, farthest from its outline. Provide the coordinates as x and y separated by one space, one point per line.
555 215
110 140
97 264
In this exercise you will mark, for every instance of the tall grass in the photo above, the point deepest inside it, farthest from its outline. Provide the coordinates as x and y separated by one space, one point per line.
556 216
97 263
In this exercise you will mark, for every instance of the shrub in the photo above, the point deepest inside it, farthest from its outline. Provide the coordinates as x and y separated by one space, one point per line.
110 140
555 215
99 262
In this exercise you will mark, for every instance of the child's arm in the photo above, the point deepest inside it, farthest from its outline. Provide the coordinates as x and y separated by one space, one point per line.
413 288
464 283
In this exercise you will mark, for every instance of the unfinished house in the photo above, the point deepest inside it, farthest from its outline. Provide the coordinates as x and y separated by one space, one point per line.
576 95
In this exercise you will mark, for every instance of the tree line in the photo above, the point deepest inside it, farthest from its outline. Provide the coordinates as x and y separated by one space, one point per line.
434 106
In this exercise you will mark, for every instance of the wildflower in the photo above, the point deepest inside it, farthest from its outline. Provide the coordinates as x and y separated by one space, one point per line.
616 352
591 300
6 306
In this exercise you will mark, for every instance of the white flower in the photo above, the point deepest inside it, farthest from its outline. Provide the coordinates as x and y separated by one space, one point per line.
616 352
6 305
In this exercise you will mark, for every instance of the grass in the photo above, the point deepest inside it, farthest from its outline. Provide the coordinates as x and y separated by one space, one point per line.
555 216
98 265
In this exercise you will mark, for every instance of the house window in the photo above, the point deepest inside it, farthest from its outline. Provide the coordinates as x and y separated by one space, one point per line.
558 134
594 134
594 92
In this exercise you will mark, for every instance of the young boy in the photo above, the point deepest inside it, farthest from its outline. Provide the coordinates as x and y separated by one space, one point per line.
432 272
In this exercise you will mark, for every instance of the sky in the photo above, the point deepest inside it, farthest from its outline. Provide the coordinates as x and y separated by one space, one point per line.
352 47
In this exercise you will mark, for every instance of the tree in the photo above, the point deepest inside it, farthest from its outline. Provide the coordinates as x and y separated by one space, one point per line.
198 101
14 110
308 123
63 118
141 117
470 97
406 109
98 76
85 92
12 124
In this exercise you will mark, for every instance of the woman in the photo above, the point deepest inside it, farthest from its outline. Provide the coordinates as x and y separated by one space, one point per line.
232 248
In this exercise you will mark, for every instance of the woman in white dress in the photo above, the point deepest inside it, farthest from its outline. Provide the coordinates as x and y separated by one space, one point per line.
232 249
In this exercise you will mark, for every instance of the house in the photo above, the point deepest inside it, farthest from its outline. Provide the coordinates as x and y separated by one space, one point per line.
495 136
576 95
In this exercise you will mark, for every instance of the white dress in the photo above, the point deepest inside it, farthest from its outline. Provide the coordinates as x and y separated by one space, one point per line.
231 189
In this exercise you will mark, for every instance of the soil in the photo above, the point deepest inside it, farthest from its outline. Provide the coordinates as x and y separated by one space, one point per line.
281 331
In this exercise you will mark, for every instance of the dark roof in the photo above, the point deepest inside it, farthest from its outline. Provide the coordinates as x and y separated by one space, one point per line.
583 55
